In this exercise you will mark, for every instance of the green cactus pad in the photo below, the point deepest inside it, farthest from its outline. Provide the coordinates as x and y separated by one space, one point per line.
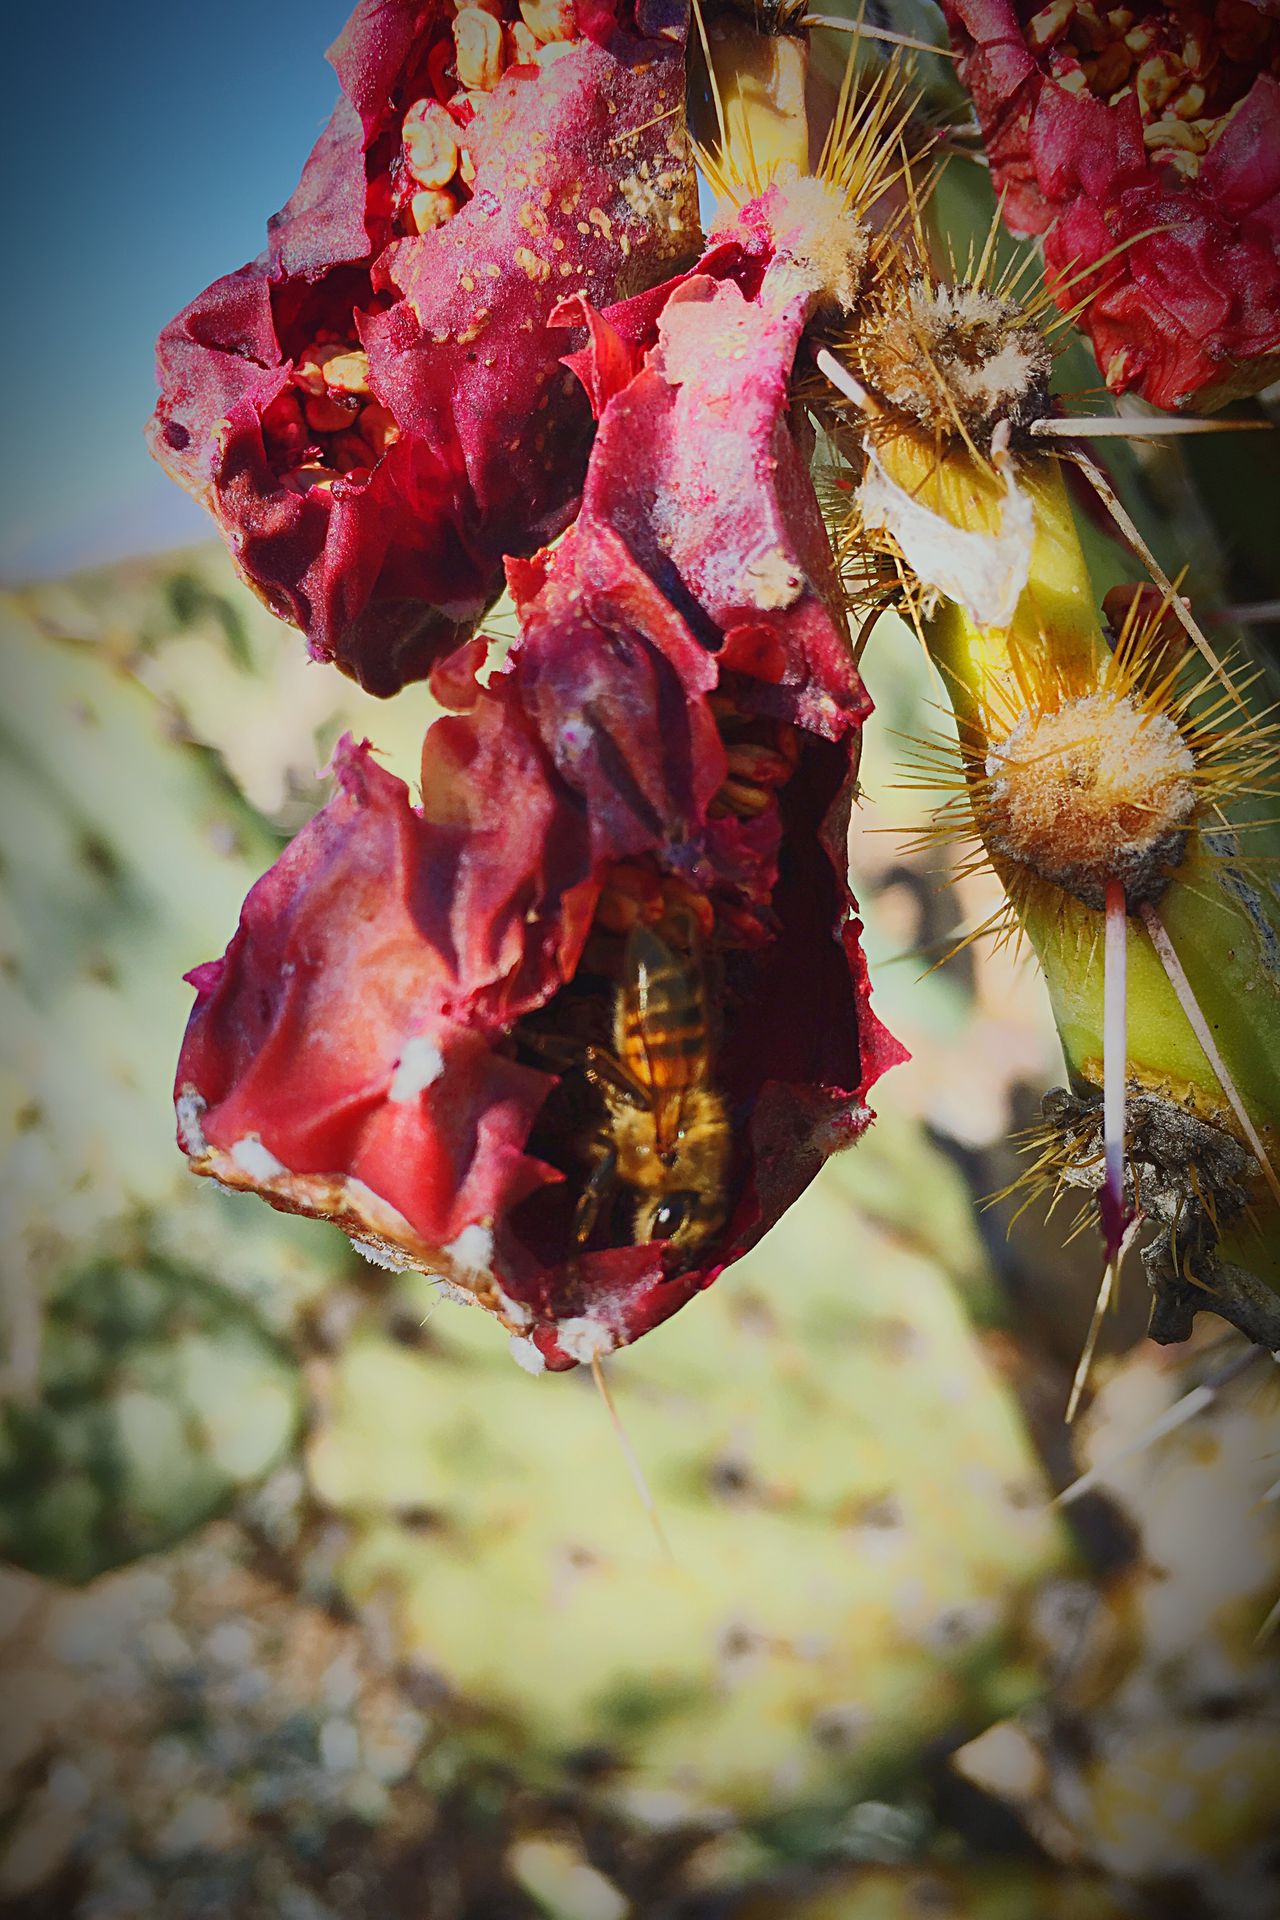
851 1504
135 1299
160 1396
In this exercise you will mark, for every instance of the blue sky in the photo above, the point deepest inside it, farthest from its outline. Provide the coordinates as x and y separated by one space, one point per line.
144 146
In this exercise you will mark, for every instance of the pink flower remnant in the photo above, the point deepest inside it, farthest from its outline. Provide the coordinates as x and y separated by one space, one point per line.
1147 139
374 410
416 1031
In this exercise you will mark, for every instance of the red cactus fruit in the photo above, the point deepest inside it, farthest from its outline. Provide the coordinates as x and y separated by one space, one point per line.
373 410
1147 138
573 1035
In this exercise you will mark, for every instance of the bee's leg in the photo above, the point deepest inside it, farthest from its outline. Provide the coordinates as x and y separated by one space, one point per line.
598 1067
609 1075
600 1184
556 1048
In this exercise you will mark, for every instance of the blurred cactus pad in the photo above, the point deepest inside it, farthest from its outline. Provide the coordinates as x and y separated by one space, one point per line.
317 1603
315 1606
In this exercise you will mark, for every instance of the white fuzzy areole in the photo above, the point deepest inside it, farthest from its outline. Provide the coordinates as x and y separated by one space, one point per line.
380 1256
584 1339
821 241
257 1161
190 1108
526 1355
449 1289
985 572
835 241
1099 787
514 1310
419 1067
472 1251
1002 378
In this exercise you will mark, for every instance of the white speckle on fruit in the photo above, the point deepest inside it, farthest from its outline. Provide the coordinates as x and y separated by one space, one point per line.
419 1066
472 1251
190 1108
257 1161
513 1310
584 1339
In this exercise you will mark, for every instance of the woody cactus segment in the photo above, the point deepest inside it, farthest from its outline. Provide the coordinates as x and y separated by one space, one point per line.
1083 768
373 411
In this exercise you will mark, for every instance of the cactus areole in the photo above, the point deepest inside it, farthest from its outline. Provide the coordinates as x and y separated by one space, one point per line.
417 1030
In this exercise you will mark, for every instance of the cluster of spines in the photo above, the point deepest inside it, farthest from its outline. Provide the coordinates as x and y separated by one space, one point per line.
1144 687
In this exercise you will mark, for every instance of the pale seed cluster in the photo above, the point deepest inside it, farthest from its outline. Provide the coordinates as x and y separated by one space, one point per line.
435 169
1187 67
326 425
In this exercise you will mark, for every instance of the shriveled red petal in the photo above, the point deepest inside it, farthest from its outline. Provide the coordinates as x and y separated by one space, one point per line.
1177 168
675 731
385 543
697 468
337 1058
1005 80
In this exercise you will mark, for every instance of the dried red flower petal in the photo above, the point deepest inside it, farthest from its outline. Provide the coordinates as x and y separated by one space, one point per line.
1154 132
374 411
394 1038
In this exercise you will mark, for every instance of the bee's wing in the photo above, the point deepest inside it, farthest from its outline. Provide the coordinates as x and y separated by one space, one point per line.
643 1003
648 960
663 1016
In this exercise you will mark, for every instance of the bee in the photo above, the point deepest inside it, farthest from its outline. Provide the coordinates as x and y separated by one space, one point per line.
665 1129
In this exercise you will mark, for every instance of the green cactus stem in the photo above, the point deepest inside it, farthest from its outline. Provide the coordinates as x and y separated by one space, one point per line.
1201 895
753 110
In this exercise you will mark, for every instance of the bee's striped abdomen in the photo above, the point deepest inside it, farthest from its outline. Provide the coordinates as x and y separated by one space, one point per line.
662 1016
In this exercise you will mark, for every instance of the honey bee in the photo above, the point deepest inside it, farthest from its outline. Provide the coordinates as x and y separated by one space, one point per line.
665 1131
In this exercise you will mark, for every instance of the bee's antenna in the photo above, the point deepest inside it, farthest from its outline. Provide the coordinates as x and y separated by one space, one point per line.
629 1455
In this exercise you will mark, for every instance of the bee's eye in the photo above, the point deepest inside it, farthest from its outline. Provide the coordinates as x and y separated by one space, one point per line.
672 1213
